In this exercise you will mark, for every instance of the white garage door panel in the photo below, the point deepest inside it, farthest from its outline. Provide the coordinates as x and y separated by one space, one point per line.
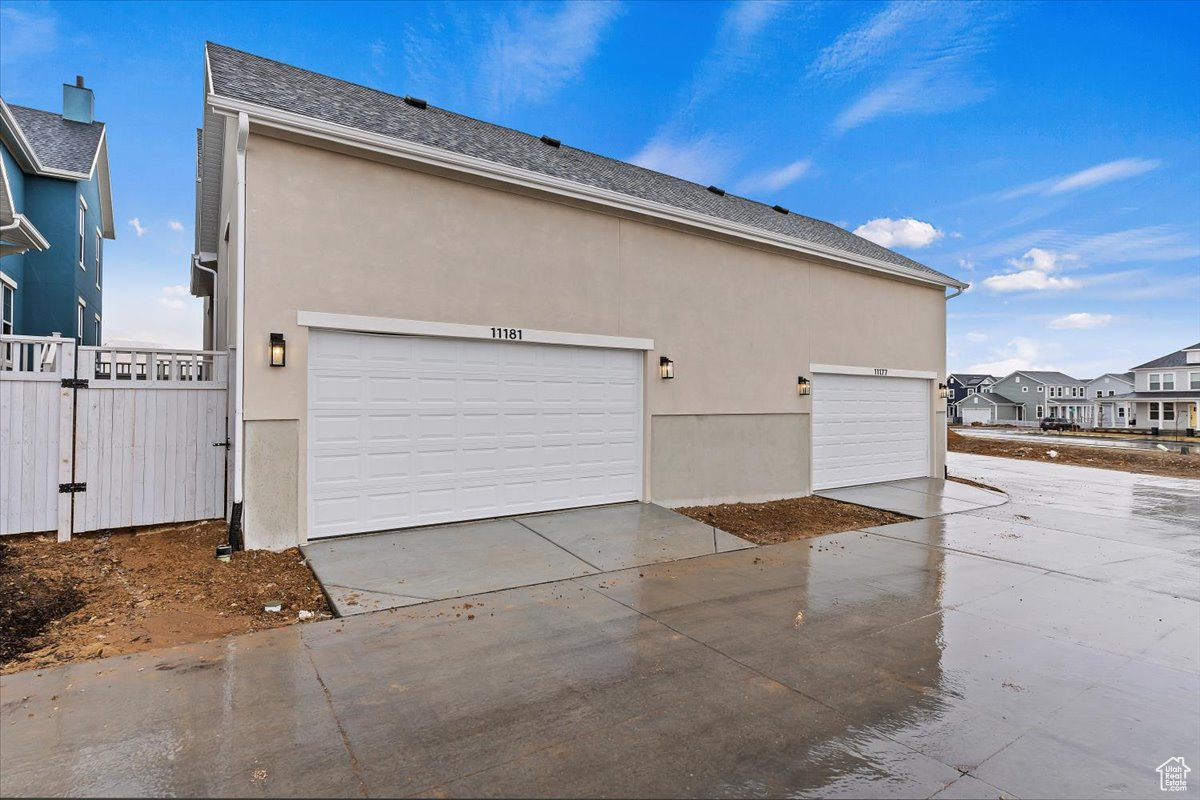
981 415
408 431
867 429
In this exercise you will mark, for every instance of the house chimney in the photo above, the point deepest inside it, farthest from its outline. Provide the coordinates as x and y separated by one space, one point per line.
78 102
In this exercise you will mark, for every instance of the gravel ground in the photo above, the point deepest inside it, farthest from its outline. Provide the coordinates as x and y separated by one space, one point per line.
1146 462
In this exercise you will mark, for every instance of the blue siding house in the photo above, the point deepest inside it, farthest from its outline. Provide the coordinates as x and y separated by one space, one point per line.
55 213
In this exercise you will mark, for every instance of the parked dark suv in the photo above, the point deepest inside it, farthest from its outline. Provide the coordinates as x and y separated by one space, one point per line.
1059 424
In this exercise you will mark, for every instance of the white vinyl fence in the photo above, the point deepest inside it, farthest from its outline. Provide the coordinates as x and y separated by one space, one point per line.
98 437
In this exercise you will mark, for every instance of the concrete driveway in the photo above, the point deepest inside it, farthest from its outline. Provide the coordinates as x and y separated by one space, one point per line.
408 567
1045 648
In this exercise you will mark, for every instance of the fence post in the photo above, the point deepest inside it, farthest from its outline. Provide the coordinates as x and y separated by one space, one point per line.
66 436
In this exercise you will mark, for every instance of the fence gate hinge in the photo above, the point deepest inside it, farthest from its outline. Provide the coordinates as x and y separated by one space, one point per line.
74 383
71 488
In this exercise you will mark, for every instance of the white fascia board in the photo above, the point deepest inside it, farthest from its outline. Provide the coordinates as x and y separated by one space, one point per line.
100 170
412 327
844 369
8 280
445 159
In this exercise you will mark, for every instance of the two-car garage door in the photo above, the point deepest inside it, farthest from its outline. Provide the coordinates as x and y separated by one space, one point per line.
408 430
869 428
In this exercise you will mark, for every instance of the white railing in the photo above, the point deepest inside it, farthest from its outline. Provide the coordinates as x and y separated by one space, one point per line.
31 357
151 367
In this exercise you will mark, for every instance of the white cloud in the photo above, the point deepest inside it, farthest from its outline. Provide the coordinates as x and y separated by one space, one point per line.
1018 353
1033 273
174 225
534 52
776 179
906 232
701 160
377 51
1089 178
920 56
136 223
1042 260
26 34
174 297
1081 321
862 45
976 338
1030 280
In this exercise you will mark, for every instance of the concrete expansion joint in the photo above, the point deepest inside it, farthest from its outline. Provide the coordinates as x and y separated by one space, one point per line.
355 767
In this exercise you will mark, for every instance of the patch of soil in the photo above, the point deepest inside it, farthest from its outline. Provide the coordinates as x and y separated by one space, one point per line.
788 520
123 592
976 484
1146 462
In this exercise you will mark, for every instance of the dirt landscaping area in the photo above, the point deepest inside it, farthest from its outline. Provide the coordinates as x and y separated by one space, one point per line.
1147 462
787 520
123 592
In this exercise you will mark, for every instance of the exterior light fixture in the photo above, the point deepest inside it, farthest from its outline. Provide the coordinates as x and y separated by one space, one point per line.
666 368
943 391
803 387
278 350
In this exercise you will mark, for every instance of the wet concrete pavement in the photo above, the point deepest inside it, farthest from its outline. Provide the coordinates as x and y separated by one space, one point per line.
409 567
1016 655
917 497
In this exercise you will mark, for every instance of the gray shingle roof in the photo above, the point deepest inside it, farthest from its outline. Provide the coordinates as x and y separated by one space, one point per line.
971 378
1176 359
1055 378
991 397
59 143
243 76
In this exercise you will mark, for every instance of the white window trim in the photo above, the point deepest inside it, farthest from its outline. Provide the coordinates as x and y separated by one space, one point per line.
1168 407
1151 379
99 248
1024 388
1194 380
7 286
8 279
82 236
1170 375
411 327
80 313
97 318
1154 412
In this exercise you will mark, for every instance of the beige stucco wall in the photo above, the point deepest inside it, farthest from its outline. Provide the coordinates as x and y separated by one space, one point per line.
334 233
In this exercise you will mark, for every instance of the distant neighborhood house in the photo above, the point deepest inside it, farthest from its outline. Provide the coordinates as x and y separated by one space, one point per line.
1162 394
55 213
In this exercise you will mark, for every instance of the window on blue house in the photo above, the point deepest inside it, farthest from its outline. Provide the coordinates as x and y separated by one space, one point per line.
82 220
9 295
99 250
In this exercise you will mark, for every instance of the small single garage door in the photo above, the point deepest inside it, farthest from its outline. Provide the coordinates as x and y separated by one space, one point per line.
408 430
867 429
982 415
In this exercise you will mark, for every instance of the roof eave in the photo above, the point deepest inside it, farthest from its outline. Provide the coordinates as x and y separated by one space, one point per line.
27 156
399 148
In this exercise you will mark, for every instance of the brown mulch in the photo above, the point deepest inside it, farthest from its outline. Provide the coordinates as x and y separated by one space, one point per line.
1146 462
788 520
123 592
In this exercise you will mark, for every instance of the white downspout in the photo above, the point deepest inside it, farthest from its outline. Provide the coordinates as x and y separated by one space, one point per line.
215 316
243 133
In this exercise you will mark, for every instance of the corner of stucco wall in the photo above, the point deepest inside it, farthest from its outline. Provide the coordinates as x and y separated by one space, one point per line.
271 492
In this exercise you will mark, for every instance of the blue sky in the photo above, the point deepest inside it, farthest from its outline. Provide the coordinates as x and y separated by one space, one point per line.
1047 152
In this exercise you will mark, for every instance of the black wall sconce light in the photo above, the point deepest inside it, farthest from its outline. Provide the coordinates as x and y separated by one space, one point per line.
803 387
943 391
666 368
278 350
